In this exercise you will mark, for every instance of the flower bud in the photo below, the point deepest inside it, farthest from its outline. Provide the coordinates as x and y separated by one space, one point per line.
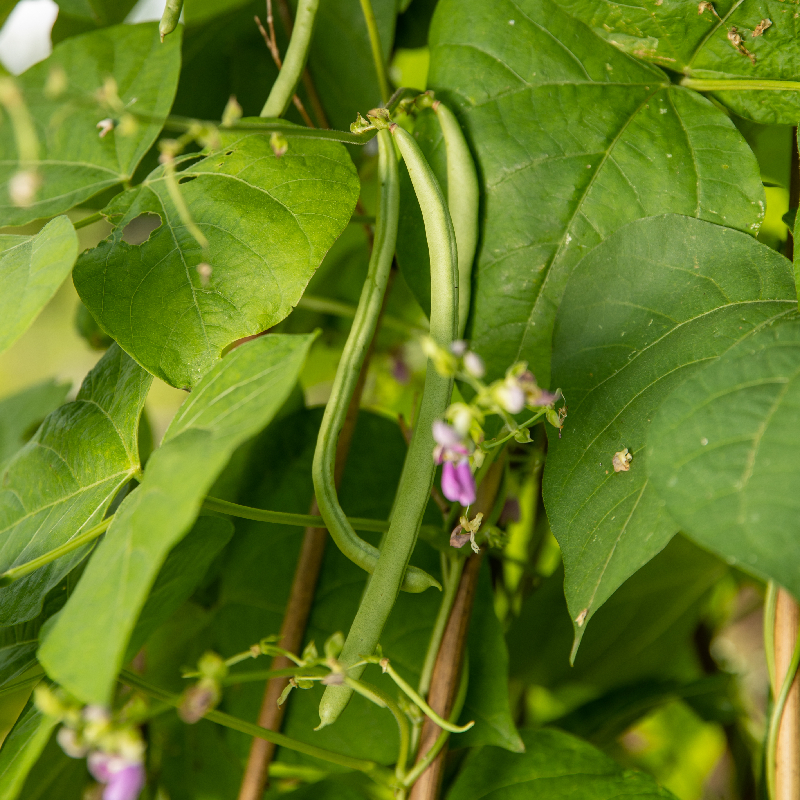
473 365
198 700
232 113
70 743
23 186
444 362
279 144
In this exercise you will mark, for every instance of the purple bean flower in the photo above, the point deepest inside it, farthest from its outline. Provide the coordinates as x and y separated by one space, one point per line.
449 443
458 484
123 779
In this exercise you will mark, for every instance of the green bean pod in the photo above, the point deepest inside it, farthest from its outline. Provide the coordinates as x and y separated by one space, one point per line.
170 17
462 201
355 350
294 61
418 471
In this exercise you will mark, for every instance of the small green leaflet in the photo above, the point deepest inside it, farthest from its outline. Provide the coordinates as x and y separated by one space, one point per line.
554 766
646 308
21 749
84 649
723 452
269 222
557 178
72 162
697 39
31 270
64 479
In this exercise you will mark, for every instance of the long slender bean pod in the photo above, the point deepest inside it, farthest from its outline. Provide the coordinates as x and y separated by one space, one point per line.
294 61
170 17
363 329
462 201
418 471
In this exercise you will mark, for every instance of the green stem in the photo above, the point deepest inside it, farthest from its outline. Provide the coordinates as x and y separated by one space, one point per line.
420 703
744 84
413 775
770 602
352 546
325 305
775 718
462 200
294 61
377 52
169 20
15 573
234 723
260 675
383 700
450 581
416 479
497 442
92 218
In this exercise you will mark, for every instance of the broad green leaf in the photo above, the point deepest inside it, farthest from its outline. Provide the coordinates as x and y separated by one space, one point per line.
573 139
74 163
722 452
64 479
99 12
21 749
643 633
84 650
554 765
653 303
22 413
184 569
674 35
269 222
31 270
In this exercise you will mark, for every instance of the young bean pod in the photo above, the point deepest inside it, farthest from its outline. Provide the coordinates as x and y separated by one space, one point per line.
294 61
170 17
418 471
462 201
361 333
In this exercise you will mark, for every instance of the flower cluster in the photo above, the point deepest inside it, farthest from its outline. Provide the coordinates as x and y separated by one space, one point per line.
459 438
111 743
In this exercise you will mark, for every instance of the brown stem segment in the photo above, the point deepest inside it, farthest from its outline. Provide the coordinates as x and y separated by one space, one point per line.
449 662
787 752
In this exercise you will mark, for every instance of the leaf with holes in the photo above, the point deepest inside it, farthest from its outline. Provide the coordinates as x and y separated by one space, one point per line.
72 162
64 479
31 270
268 221
84 649
644 310
723 453
573 139
700 41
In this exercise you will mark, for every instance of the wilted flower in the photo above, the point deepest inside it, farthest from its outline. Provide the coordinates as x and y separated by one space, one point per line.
123 779
198 700
105 126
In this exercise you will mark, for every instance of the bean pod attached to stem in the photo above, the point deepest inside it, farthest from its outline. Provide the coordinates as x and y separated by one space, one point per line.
418 471
361 333
170 17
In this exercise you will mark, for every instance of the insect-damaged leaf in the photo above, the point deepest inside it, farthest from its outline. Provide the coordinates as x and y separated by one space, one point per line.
573 139
173 305
84 649
31 270
69 160
64 479
724 454
749 40
646 308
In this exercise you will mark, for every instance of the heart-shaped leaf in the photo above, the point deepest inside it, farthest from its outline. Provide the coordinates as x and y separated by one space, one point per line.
700 41
31 270
646 308
84 649
69 161
268 221
723 452
573 139
64 479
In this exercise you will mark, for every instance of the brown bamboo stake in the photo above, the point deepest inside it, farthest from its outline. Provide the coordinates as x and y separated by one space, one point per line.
787 751
448 668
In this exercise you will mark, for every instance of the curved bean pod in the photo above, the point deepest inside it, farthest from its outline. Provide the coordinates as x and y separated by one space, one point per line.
170 17
462 201
361 333
418 471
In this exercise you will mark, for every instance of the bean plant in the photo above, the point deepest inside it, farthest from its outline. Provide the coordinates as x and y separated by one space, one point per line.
484 320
